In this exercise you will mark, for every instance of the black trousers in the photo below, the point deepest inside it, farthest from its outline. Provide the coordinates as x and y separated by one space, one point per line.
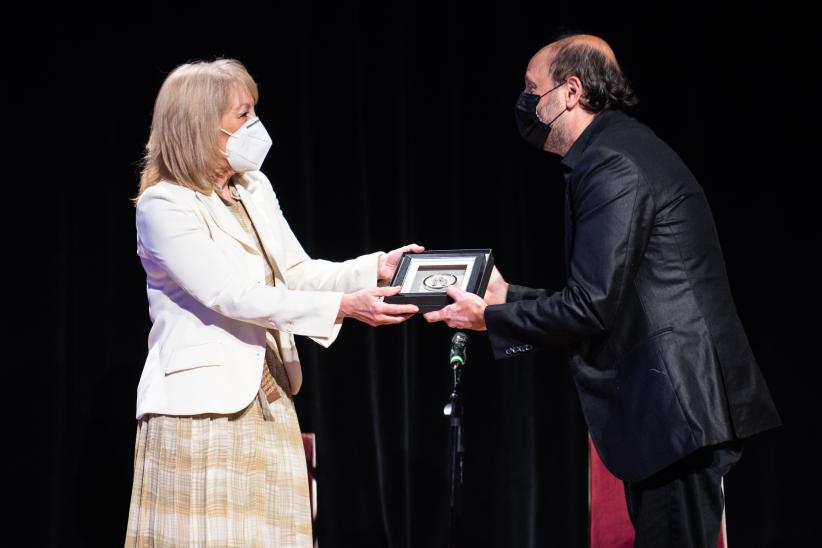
681 506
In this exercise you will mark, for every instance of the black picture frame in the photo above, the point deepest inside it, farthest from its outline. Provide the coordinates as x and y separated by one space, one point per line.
425 275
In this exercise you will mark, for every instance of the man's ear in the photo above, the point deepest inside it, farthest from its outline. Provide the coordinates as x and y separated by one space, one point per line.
574 92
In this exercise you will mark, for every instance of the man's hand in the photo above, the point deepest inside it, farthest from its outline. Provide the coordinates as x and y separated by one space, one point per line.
367 306
497 288
388 261
467 312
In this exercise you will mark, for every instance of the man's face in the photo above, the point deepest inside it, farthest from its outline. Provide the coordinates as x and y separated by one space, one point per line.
537 76
538 81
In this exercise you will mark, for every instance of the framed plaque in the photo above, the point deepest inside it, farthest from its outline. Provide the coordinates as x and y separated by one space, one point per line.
424 277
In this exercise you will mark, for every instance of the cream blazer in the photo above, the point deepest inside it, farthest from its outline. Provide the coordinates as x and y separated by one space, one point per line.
210 306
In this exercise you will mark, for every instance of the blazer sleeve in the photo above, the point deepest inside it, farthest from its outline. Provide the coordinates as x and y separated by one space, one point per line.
306 274
172 237
613 211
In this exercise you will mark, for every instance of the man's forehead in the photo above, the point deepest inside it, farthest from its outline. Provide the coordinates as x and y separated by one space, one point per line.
538 67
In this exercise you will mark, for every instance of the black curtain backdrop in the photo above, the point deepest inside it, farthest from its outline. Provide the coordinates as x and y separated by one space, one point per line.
394 124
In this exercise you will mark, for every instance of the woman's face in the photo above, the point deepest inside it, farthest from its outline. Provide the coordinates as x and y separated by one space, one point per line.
240 110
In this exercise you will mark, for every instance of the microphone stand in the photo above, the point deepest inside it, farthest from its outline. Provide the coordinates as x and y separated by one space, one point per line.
453 409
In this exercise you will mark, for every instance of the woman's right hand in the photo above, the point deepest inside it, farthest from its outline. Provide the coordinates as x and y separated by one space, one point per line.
368 307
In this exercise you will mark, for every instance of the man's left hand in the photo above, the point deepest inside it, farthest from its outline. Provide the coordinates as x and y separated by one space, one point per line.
467 312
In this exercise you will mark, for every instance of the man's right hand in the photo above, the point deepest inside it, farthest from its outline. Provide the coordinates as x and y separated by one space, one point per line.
497 290
368 307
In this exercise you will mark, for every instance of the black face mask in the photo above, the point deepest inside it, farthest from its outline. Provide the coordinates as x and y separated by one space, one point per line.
532 129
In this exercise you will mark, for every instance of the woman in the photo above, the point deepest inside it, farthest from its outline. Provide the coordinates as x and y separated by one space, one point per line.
219 458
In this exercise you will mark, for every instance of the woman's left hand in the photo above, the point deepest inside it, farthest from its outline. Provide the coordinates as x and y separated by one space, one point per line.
388 261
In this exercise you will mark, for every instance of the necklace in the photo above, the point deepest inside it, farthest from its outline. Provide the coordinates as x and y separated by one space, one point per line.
232 192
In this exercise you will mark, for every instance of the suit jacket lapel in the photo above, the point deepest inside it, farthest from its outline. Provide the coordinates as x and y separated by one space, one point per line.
225 220
569 229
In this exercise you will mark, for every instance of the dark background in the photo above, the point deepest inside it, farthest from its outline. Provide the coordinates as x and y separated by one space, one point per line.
391 125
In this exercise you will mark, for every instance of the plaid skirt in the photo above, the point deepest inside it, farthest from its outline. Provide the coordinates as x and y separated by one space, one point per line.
221 480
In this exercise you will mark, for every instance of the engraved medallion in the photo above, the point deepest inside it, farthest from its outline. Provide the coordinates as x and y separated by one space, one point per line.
438 282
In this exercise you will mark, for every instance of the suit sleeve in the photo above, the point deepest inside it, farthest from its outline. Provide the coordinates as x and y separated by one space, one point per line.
522 293
173 240
613 210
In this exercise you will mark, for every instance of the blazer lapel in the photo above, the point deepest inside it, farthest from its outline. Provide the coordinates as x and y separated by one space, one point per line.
225 220
266 230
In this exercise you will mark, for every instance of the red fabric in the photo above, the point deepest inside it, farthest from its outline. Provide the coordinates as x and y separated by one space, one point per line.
609 524
311 464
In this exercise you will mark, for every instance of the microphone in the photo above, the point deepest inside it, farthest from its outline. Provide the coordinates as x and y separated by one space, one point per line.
458 343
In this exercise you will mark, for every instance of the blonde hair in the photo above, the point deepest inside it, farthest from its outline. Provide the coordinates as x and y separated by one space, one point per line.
183 145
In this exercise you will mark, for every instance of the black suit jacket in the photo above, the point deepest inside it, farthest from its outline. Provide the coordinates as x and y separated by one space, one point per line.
658 354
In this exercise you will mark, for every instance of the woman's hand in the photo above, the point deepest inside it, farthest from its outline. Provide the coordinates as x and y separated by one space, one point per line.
368 307
388 262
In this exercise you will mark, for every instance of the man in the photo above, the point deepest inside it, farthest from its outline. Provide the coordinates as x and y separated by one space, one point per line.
666 377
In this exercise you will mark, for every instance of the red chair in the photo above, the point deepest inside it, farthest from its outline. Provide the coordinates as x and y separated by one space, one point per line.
310 446
609 524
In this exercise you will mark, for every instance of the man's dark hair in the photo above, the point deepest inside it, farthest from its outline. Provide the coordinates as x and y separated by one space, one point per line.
606 88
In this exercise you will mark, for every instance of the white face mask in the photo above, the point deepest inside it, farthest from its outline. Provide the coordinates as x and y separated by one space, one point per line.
247 147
